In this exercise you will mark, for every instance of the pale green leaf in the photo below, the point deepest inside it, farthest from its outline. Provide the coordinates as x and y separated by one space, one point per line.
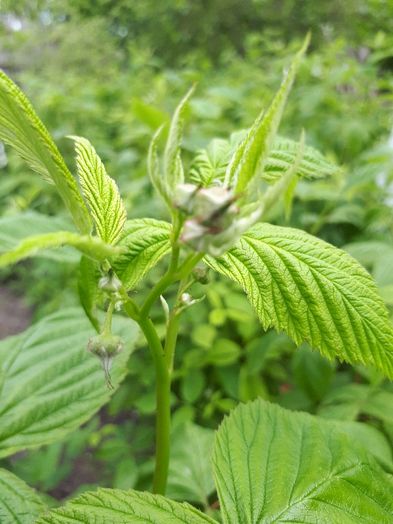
210 164
255 148
146 241
21 128
13 230
50 383
116 506
283 154
100 191
154 169
173 171
314 292
273 465
91 246
190 471
19 504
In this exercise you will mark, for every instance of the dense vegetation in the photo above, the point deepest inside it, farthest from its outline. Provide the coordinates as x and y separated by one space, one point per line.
116 82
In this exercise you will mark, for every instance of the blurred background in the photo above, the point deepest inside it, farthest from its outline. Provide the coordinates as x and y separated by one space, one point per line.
113 71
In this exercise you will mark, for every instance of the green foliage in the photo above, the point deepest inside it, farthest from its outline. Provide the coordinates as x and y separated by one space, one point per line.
21 128
50 384
147 241
272 465
116 505
314 292
18 502
100 191
255 147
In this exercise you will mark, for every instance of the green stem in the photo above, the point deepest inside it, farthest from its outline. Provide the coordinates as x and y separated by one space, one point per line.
163 417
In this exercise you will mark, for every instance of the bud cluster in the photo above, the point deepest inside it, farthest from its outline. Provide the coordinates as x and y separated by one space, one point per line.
211 211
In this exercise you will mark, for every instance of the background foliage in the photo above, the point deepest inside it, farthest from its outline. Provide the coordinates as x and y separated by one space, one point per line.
113 72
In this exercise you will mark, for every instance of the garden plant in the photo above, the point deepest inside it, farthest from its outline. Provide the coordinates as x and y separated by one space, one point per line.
269 464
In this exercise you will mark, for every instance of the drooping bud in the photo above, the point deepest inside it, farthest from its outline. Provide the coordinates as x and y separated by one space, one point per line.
105 347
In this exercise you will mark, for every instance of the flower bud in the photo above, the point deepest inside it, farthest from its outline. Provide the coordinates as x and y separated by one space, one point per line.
105 347
184 197
109 283
200 274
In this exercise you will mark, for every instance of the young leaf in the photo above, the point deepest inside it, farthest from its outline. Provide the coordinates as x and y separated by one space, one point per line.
100 191
19 504
255 148
273 465
21 128
314 292
91 246
118 507
283 154
13 231
210 164
50 383
173 170
146 241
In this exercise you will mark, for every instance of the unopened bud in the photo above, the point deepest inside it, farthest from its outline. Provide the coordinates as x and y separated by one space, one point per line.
184 197
105 347
109 283
200 274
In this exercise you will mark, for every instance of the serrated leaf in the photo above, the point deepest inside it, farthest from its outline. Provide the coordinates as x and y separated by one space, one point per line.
146 241
190 471
100 191
273 465
19 504
173 172
50 383
13 231
314 292
30 246
21 128
209 164
254 149
283 154
118 507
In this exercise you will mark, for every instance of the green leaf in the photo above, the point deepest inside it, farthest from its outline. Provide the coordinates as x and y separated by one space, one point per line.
173 170
118 507
255 148
146 241
100 191
283 154
19 504
210 164
273 465
13 231
21 128
314 292
91 246
88 277
190 471
50 383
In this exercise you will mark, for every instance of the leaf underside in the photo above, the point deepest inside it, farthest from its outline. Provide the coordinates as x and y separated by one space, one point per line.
50 384
314 292
21 128
119 507
146 241
100 191
273 465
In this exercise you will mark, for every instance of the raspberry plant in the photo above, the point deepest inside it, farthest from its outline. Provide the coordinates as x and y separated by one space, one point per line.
270 465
